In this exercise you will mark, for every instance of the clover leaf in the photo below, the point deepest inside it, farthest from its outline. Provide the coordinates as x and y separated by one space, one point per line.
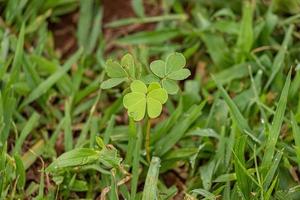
119 73
143 98
170 71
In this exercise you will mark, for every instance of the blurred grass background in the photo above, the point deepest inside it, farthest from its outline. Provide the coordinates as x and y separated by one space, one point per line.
231 133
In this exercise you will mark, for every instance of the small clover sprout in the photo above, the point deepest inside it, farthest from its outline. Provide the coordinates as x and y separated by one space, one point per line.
170 71
142 99
119 73
161 82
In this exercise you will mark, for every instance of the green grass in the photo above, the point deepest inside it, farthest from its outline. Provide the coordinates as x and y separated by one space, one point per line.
231 132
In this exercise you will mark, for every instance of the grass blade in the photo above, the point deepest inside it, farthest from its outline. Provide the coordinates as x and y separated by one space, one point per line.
51 80
150 37
271 172
138 7
177 132
15 71
32 122
237 116
136 161
150 189
279 59
296 131
245 39
85 22
276 125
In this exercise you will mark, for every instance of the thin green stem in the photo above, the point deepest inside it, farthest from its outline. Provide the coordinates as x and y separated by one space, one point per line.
147 140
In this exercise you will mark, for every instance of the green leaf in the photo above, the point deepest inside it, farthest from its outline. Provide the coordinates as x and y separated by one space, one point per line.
153 86
180 74
110 157
159 94
154 107
76 157
135 102
175 61
158 67
170 86
150 78
142 97
138 86
115 70
127 62
112 82
130 99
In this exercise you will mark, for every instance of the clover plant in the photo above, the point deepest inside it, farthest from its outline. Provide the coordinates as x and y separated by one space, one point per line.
146 92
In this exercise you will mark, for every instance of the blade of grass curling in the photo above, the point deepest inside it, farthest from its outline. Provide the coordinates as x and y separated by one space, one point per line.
51 80
31 124
296 131
279 59
150 188
276 125
136 161
241 122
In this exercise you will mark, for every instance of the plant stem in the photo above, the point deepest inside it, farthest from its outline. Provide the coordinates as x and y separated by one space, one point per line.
147 140
136 161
